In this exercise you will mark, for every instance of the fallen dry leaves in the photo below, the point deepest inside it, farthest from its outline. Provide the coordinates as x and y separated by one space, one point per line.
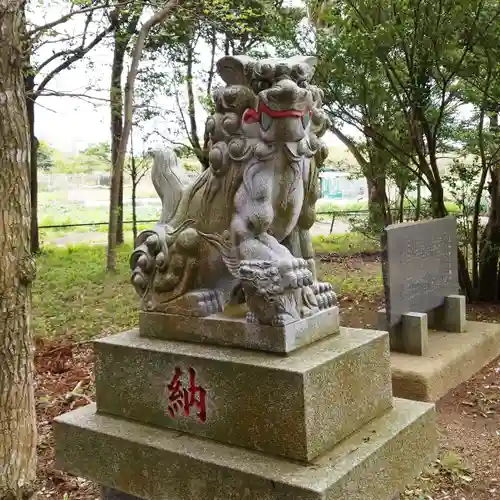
469 436
64 382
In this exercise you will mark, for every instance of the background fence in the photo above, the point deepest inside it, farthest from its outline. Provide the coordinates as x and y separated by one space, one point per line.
322 216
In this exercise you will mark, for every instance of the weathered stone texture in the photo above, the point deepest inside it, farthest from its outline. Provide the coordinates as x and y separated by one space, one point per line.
230 328
376 462
420 266
297 407
451 360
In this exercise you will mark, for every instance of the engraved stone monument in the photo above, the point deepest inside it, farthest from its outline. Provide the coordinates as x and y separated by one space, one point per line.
239 382
420 272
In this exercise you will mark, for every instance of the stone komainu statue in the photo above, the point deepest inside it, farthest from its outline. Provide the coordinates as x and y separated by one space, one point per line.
240 231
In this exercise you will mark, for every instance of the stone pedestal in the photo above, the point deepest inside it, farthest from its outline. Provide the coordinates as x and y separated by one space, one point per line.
182 421
411 336
230 328
451 359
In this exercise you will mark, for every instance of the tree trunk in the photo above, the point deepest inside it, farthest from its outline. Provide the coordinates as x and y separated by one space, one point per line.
201 153
29 87
463 276
134 208
124 30
437 201
490 241
490 246
375 172
17 406
119 228
475 228
211 73
401 214
117 170
116 105
379 213
418 208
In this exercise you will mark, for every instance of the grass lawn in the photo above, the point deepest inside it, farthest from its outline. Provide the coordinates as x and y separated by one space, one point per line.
75 296
348 243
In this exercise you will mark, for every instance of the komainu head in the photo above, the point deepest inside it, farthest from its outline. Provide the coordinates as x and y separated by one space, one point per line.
282 105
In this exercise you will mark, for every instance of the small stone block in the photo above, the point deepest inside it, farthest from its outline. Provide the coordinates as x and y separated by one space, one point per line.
297 406
451 316
375 462
111 494
230 328
382 320
410 336
415 334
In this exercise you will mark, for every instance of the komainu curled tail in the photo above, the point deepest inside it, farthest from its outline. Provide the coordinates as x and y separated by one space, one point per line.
169 180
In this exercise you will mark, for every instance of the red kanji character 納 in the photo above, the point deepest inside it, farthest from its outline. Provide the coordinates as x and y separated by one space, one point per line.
190 397
176 395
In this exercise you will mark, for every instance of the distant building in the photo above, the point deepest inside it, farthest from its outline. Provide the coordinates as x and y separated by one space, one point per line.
339 186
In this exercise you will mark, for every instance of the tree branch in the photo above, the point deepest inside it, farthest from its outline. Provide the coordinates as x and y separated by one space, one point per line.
78 54
69 15
349 143
168 139
191 105
68 52
183 119
212 63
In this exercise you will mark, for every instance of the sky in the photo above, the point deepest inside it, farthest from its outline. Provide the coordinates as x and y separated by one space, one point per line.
70 124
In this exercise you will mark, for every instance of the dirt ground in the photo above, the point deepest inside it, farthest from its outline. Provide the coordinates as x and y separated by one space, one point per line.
468 467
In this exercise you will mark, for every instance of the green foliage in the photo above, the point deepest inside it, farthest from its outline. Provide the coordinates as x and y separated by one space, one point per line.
242 25
45 156
391 70
331 206
357 93
183 151
362 281
462 180
94 158
191 166
52 214
219 28
410 203
78 164
100 151
401 72
345 244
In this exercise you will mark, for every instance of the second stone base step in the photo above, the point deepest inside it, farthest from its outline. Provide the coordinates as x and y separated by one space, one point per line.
375 463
